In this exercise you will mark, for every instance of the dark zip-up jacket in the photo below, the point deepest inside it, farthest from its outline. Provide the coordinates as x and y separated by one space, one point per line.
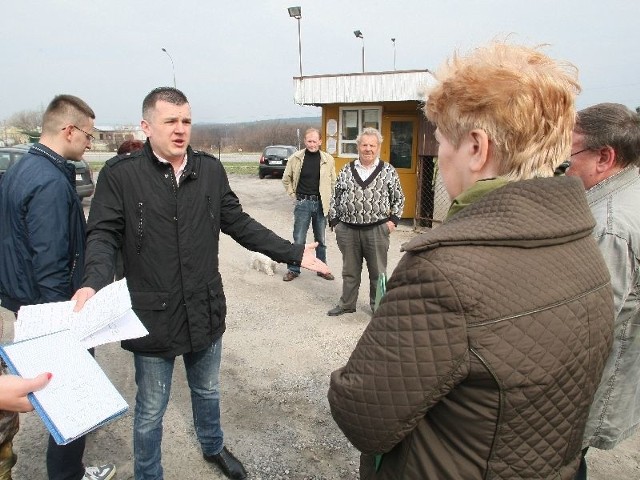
42 230
170 237
485 353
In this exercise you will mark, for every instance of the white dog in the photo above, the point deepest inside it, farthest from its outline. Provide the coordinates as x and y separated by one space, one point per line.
262 263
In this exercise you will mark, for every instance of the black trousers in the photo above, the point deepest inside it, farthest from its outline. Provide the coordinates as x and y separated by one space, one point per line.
64 462
582 470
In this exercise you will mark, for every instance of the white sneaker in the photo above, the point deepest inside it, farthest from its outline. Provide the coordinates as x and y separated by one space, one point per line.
103 472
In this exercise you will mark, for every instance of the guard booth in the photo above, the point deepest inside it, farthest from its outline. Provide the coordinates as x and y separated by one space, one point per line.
390 102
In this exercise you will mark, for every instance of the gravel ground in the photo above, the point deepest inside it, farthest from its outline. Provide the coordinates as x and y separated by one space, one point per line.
279 350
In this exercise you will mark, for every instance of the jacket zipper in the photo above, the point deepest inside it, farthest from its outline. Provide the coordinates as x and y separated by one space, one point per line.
539 309
140 231
211 214
73 267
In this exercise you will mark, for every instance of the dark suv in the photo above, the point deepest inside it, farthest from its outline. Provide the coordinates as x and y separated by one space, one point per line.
84 176
274 159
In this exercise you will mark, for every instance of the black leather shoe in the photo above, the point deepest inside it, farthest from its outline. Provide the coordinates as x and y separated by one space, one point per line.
334 312
229 464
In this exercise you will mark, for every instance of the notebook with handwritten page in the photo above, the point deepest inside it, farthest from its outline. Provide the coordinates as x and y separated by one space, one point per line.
51 337
79 398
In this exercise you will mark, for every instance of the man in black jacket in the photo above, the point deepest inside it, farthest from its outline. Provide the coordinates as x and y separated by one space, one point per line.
166 205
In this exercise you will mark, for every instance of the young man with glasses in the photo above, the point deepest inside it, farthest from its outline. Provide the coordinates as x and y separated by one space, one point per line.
89 137
606 157
42 243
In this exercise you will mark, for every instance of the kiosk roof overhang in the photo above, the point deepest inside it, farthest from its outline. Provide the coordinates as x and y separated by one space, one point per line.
370 87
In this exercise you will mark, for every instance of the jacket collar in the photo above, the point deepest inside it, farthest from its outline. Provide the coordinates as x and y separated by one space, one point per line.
190 170
525 214
300 155
55 159
614 183
474 193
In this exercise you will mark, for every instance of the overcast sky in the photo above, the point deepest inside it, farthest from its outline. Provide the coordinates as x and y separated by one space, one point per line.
235 59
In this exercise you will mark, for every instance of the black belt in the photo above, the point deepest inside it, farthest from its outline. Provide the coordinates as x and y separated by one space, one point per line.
300 196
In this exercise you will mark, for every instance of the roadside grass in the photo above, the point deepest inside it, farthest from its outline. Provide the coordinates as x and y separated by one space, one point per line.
239 168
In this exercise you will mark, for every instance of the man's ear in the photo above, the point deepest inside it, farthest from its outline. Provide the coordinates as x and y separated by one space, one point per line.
67 132
145 127
606 159
478 146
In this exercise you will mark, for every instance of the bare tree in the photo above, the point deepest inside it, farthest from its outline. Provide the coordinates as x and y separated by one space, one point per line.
28 121
249 136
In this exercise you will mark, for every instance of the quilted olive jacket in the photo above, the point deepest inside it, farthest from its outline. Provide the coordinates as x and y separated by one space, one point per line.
484 356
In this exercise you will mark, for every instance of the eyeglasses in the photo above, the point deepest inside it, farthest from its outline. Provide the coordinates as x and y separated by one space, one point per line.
90 138
579 151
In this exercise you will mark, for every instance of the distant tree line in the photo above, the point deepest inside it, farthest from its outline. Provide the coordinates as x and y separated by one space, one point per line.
251 136
226 137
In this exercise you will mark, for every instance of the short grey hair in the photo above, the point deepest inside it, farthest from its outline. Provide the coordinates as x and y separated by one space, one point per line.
612 125
369 132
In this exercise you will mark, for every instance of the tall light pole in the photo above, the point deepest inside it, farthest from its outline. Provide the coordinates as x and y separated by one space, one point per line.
296 12
393 40
358 34
172 67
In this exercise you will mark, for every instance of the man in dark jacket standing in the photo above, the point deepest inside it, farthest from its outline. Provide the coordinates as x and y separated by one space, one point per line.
42 237
166 206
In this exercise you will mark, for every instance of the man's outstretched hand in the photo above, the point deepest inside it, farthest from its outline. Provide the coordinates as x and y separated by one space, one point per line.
311 262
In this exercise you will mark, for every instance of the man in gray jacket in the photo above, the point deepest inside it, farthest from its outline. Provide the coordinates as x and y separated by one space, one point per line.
605 155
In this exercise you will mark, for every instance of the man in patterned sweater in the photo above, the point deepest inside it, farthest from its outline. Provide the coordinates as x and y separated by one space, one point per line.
365 208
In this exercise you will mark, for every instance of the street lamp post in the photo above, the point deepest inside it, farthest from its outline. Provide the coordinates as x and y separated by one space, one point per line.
172 67
358 34
296 12
393 40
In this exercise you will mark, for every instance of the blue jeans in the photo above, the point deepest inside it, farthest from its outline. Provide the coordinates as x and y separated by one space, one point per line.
153 378
309 212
